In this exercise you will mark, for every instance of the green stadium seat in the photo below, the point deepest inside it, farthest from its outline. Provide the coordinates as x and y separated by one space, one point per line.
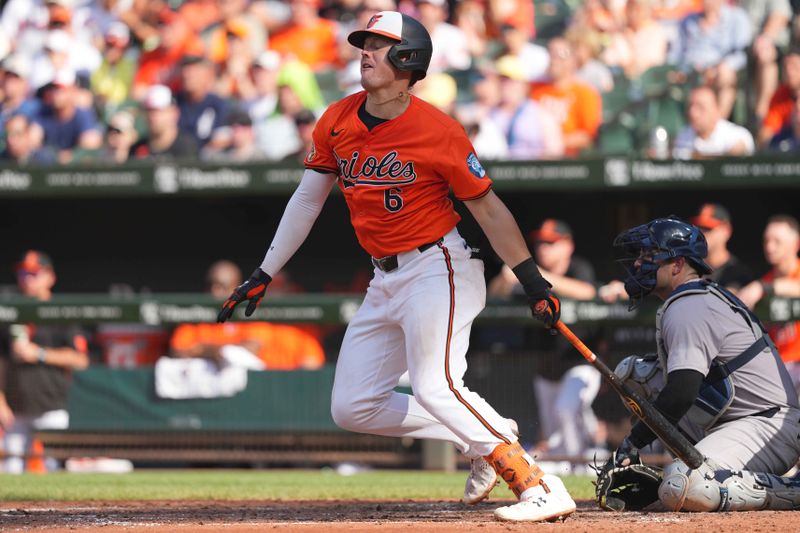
616 100
615 138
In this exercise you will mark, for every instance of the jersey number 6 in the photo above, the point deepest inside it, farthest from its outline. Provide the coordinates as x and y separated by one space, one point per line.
392 199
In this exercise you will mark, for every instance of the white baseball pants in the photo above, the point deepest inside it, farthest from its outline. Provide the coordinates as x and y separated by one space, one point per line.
418 318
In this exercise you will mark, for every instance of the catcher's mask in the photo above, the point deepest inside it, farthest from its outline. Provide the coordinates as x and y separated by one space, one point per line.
650 245
413 49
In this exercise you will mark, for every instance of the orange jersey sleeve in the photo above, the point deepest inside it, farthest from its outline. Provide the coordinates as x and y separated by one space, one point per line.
396 177
780 109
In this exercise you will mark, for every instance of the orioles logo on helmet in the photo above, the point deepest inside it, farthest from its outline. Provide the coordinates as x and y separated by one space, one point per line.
373 20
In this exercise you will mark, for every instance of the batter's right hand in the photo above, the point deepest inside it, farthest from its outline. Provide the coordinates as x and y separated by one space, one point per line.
547 308
253 290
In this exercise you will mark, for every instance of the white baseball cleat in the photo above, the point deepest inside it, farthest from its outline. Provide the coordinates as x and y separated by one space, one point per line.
551 506
482 477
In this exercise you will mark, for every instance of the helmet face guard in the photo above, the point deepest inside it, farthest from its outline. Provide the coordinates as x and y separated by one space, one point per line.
650 245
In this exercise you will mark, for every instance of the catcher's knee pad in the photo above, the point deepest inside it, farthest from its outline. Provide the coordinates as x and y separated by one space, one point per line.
751 491
689 490
515 466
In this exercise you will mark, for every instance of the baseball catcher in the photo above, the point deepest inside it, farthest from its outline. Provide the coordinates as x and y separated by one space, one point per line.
716 375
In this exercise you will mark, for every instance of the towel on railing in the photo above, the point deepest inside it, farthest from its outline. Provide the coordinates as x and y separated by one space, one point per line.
181 379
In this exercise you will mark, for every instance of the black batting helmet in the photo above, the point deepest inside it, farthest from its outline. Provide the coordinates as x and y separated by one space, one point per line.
414 47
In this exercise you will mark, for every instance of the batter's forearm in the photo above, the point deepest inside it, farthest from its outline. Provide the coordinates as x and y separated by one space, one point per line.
500 228
299 216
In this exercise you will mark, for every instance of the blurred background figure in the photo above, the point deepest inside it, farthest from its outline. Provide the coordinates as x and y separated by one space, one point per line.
708 133
61 124
121 135
164 138
714 221
576 106
242 147
783 102
202 112
781 245
308 37
304 121
111 82
533 58
641 44
712 45
21 148
565 385
531 131
15 96
35 366
450 46
276 346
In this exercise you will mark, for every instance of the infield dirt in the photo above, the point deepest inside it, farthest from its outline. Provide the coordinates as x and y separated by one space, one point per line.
361 516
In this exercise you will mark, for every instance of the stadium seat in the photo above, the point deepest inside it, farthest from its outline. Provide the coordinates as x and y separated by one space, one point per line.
616 100
616 138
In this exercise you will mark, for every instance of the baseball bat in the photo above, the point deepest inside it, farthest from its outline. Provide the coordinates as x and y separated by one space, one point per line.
673 439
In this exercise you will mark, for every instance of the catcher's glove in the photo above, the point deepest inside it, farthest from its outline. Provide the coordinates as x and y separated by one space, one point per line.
626 488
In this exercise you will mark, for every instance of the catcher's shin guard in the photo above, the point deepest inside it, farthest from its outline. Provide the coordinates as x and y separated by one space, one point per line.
516 467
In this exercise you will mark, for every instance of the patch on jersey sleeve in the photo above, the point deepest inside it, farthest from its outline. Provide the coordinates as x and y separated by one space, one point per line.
311 153
475 166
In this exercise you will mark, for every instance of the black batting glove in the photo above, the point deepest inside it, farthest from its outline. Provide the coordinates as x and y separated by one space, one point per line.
544 303
253 290
627 454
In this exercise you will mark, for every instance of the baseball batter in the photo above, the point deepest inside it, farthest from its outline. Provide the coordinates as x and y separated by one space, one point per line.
725 387
395 158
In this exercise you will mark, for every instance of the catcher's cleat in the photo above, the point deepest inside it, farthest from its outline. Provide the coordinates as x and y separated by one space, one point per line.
482 477
550 506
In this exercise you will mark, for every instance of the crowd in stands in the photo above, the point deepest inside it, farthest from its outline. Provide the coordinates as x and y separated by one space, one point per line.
245 80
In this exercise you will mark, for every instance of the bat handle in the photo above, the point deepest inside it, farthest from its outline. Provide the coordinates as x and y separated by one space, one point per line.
576 342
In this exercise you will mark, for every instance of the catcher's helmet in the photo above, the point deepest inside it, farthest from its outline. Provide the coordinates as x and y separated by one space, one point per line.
649 245
414 47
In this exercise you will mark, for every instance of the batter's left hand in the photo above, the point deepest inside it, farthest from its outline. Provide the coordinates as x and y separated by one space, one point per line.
547 308
252 290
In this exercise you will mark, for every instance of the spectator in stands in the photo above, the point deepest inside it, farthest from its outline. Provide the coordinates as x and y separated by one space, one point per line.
263 100
308 37
450 46
161 65
111 82
565 385
712 45
788 139
200 14
277 136
769 20
202 112
487 139
641 44
164 139
439 90
235 23
576 106
781 244
243 145
35 367
591 70
21 149
533 57
61 124
278 346
519 13
472 18
15 93
782 102
530 130
62 51
121 135
708 133
715 223
304 121
145 19
233 78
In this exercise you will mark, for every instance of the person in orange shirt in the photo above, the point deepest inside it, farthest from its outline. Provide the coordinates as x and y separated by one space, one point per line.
308 37
395 159
160 66
278 346
781 105
781 245
576 105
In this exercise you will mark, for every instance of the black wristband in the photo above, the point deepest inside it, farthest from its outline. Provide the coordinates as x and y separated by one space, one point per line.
260 275
534 285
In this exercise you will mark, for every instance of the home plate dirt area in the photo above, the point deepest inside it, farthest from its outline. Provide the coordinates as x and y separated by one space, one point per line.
356 516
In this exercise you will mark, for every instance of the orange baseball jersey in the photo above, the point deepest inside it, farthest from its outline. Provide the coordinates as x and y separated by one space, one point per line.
786 336
396 177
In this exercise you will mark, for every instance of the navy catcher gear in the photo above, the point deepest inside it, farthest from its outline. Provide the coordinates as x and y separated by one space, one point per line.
648 246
